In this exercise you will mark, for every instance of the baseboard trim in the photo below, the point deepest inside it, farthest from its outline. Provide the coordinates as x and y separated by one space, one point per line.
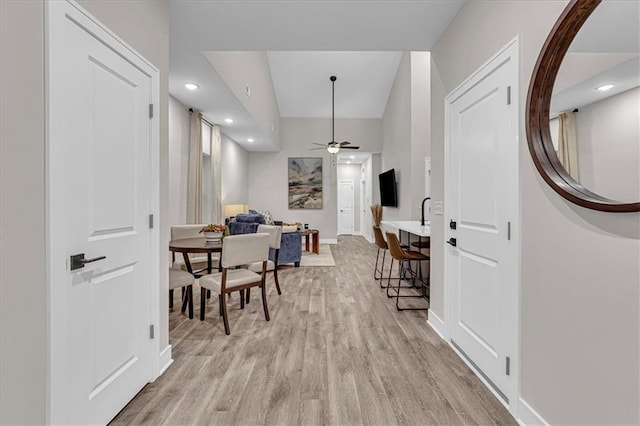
165 360
436 323
328 241
527 416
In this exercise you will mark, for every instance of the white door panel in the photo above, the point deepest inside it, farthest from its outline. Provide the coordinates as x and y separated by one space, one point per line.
99 198
345 207
482 199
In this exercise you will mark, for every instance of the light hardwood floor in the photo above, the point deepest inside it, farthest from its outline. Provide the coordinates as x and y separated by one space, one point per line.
335 352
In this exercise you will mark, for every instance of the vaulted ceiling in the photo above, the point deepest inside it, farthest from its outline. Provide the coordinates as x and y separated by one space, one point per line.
306 41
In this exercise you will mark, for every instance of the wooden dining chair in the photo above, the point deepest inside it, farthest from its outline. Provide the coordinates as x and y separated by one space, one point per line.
275 236
237 250
404 257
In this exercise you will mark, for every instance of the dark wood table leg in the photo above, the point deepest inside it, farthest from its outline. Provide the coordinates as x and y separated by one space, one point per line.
316 242
186 296
306 243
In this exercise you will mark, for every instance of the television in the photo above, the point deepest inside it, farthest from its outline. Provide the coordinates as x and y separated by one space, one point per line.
388 192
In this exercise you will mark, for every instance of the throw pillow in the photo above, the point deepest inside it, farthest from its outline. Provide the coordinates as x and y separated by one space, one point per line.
268 218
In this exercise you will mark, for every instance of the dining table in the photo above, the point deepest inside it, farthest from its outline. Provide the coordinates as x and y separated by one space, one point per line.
196 245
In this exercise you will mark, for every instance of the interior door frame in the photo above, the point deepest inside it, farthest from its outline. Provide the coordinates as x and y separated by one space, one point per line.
92 25
353 205
510 49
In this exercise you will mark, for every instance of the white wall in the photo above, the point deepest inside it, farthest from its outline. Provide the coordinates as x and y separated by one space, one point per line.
436 294
143 25
396 151
268 173
353 172
420 127
579 298
22 214
607 133
242 69
235 172
179 118
407 137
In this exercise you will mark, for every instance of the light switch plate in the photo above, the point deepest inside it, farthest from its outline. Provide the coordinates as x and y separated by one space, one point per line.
438 207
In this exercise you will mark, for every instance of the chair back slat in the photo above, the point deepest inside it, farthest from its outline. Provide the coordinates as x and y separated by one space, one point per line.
243 249
181 232
394 246
275 234
380 242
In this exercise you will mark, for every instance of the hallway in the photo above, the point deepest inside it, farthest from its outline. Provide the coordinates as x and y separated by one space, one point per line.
336 352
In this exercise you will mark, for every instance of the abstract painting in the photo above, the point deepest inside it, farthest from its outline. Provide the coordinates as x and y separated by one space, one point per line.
305 183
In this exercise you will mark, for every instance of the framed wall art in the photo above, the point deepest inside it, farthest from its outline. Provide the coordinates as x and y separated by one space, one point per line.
305 182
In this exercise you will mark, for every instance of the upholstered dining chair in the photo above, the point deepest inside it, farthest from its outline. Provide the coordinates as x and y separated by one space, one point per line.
275 236
237 250
181 279
198 261
404 257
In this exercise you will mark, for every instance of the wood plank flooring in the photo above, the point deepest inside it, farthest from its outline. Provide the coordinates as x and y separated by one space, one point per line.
335 352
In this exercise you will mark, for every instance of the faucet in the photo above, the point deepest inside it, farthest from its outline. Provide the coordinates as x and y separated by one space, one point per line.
422 221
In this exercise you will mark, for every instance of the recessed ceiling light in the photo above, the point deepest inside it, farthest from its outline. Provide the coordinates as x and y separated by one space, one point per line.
191 86
352 157
348 162
228 120
604 87
250 140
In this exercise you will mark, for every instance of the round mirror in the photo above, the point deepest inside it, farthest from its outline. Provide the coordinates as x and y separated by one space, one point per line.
583 115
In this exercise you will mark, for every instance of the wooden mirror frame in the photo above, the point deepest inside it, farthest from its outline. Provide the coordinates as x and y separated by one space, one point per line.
539 102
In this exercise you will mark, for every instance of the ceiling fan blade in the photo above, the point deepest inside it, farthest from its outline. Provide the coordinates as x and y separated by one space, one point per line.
321 144
345 143
313 149
349 147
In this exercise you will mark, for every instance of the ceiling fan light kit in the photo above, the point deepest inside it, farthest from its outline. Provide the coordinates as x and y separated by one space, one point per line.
334 147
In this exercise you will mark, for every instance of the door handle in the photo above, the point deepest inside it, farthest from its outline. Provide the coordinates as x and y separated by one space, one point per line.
453 242
78 261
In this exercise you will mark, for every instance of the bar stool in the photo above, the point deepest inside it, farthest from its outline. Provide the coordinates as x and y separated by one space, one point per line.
382 245
404 256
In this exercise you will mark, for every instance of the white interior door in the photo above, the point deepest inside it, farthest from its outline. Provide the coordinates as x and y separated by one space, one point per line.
99 198
345 207
482 198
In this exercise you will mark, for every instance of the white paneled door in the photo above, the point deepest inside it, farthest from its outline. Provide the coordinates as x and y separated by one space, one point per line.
99 200
345 207
481 219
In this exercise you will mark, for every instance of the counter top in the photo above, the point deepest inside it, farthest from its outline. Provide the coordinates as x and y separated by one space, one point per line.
410 226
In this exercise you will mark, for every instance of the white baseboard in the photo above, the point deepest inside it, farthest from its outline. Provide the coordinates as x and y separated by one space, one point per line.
328 241
527 416
165 360
437 324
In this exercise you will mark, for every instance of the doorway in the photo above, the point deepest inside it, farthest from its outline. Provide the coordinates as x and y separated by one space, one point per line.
102 195
346 203
482 214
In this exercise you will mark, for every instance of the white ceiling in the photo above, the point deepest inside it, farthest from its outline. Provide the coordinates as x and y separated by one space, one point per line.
606 50
307 41
303 89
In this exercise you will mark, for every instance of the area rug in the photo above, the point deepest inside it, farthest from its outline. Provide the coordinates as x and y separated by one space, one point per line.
325 258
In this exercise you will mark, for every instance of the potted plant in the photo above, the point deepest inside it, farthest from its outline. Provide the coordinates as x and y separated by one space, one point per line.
213 232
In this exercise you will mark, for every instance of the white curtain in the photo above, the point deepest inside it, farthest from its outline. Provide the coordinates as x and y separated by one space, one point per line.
194 184
216 153
567 143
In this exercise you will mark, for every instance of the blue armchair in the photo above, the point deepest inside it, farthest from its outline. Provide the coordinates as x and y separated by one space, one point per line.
290 244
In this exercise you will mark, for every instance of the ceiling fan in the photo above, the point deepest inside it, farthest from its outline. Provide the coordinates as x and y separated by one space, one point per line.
333 147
